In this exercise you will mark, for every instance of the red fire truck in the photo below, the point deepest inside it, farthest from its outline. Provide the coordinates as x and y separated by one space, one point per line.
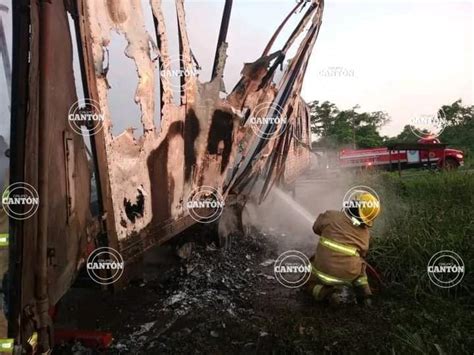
427 152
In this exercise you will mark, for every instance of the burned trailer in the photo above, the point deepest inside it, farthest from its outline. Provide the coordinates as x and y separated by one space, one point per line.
259 132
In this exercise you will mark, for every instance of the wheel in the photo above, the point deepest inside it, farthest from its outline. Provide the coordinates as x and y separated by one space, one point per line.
450 164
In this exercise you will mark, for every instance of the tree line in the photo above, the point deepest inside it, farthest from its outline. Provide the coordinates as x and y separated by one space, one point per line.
336 128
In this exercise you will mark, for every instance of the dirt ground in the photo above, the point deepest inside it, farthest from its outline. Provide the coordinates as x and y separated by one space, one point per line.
217 301
195 298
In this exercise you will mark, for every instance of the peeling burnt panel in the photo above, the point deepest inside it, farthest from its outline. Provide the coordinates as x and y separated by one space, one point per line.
159 175
203 138
116 11
252 76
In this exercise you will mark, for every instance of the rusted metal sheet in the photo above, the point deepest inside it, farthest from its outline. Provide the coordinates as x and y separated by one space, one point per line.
205 140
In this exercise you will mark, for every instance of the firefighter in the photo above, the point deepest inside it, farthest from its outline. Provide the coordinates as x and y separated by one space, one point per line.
343 243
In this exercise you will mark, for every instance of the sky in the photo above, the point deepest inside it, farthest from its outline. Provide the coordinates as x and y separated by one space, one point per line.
407 57
403 57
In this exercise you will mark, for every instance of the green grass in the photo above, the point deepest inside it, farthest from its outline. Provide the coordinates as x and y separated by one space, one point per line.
422 214
468 161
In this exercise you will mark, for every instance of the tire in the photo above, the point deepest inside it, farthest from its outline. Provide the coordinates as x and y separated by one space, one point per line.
450 164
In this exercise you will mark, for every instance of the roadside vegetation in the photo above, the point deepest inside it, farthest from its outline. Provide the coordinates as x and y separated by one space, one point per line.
338 129
423 213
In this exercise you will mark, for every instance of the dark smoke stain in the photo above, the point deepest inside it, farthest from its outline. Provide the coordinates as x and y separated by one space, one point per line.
221 130
157 163
134 210
171 185
191 132
176 128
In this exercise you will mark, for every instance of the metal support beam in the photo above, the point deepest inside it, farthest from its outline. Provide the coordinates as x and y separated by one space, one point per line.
222 34
19 103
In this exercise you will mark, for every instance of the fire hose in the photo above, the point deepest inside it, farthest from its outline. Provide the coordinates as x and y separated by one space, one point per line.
375 275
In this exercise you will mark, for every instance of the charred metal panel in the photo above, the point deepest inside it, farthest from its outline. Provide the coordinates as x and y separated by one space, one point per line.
298 153
203 140
50 245
67 186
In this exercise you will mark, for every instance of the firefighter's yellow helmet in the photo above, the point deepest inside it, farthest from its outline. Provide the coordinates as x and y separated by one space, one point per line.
369 207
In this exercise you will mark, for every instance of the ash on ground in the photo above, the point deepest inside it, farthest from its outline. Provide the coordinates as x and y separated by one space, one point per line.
216 301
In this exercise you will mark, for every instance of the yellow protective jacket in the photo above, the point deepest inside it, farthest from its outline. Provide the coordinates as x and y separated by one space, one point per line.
340 240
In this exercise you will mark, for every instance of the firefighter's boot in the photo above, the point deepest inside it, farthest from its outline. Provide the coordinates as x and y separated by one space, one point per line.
322 292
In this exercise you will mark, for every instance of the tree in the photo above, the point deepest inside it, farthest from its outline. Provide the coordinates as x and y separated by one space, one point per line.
459 131
322 116
405 136
457 114
368 137
336 128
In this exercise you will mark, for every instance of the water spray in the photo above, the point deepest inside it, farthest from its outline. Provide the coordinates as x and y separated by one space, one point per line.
295 205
